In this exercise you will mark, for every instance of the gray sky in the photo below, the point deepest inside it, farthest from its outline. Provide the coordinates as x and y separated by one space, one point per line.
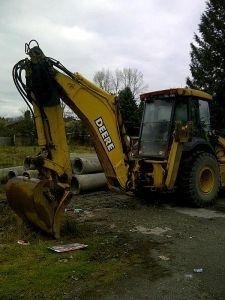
153 36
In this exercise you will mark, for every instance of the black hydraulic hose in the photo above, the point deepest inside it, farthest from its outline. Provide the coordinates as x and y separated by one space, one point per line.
57 64
20 85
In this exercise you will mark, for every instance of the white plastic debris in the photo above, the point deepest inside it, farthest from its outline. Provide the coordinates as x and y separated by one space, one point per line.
198 270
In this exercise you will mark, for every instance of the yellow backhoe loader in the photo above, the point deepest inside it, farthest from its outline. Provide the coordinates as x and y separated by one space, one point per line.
176 148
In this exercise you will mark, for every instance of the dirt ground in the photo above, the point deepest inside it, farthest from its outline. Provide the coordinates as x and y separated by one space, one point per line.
182 249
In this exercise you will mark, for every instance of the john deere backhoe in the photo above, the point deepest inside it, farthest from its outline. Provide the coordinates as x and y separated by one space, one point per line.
176 148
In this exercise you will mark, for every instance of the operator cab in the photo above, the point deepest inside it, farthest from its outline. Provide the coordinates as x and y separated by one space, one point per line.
161 112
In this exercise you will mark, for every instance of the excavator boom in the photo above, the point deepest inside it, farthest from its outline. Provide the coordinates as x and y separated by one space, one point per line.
42 201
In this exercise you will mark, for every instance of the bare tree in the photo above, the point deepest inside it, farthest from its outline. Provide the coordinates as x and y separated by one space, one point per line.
114 82
133 79
104 79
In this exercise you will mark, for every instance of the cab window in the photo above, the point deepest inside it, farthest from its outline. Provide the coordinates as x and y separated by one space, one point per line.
181 111
204 115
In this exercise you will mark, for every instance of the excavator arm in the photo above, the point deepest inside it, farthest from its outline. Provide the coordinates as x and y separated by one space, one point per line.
42 201
99 111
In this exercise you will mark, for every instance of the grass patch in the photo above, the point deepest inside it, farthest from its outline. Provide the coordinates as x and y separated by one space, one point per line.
15 155
35 272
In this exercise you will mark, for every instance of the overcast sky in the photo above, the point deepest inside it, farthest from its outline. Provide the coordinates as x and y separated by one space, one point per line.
152 36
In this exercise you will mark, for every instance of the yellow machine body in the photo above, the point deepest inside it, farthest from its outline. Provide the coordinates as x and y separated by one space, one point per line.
42 201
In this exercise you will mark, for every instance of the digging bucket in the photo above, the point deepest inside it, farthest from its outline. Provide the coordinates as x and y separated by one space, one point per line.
39 202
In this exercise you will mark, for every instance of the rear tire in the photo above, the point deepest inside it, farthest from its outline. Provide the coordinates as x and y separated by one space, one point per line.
199 179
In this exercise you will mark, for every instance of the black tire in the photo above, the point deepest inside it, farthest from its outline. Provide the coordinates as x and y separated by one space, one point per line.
199 180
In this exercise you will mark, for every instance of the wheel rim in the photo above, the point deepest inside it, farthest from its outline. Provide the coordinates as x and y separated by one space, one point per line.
206 180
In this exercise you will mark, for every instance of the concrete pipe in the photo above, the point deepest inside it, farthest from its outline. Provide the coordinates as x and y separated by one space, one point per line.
8 173
87 165
88 182
85 155
31 173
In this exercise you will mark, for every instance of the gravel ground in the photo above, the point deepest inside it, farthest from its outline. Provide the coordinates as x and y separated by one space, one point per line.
183 248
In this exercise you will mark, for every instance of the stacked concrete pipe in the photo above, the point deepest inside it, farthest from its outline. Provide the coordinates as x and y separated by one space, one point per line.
30 173
87 165
88 182
7 173
88 174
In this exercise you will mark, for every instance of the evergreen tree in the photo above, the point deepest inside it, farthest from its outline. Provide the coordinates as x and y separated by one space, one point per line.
208 56
5 129
129 111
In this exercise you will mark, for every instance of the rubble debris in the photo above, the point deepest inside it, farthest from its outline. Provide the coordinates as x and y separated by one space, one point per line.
23 242
68 247
163 257
198 270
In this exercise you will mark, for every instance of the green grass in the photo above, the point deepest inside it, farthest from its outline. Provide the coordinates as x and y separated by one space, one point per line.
15 155
37 272
34 271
